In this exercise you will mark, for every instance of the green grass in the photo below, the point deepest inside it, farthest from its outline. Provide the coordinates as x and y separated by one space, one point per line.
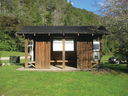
106 57
28 83
33 83
11 53
116 67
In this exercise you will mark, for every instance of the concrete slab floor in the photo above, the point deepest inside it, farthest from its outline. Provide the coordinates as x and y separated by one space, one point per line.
56 68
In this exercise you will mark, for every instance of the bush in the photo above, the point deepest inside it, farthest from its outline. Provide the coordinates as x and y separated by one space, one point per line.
109 45
0 59
7 43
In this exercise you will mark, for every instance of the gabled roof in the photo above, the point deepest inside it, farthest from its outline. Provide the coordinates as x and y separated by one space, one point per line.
62 30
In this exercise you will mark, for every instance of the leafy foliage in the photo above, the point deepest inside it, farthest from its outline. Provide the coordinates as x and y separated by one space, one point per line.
7 43
110 45
8 25
0 59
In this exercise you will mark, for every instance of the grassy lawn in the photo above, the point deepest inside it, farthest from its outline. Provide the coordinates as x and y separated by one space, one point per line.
33 83
116 67
11 53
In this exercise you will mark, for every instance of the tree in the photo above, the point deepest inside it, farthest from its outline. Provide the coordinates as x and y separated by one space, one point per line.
114 14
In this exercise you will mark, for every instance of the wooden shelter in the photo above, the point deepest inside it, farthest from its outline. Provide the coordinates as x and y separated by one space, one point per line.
66 45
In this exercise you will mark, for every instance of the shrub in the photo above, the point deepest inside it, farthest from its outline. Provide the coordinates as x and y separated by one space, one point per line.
0 59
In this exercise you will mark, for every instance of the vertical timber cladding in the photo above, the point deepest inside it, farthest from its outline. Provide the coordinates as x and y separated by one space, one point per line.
26 52
42 51
84 51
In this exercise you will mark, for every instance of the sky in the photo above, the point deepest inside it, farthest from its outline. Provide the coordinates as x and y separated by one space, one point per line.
89 5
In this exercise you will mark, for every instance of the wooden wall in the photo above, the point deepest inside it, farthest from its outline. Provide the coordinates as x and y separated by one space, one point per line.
42 51
84 51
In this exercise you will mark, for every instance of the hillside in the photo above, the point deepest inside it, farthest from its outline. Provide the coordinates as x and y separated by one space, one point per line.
15 14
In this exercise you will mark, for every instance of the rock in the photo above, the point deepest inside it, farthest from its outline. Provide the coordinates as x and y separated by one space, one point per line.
3 64
8 64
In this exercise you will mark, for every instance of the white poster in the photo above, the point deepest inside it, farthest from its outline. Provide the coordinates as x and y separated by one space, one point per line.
69 45
57 45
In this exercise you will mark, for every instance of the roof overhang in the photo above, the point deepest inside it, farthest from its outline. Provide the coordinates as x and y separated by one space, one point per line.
28 30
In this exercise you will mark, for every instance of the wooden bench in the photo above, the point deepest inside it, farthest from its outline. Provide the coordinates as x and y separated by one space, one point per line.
58 61
62 61
31 63
52 61
96 63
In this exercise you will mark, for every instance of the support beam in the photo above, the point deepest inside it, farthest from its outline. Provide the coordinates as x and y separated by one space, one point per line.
63 54
101 54
26 52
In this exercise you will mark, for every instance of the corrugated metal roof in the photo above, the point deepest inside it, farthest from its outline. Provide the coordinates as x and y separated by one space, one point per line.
62 30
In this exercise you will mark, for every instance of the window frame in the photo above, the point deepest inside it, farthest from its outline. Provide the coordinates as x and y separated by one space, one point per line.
66 40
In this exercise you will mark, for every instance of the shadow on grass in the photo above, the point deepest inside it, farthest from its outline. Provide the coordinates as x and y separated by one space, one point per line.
116 67
20 64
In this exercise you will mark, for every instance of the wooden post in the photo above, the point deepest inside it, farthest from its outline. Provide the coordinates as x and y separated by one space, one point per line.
63 53
49 52
91 52
26 52
101 58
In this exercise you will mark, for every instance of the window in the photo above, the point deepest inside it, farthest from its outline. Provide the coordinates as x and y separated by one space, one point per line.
57 45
